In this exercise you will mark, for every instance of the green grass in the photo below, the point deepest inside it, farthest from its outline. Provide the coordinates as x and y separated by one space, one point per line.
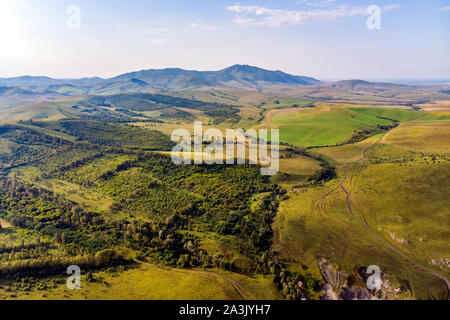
411 201
431 136
288 103
369 114
327 126
434 116
349 152
49 132
304 234
299 165
400 192
92 172
38 111
149 282
153 114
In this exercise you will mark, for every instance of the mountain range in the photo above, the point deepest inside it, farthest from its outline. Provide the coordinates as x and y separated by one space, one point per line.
237 76
25 89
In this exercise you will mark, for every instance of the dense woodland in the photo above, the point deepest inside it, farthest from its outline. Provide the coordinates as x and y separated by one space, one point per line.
133 104
159 211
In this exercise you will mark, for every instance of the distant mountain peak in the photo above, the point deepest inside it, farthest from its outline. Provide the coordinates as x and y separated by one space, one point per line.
236 76
243 67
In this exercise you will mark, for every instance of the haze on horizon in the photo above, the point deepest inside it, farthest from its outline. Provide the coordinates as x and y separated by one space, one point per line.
325 39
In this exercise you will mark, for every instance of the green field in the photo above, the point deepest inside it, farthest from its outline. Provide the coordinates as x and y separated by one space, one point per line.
430 136
349 152
329 125
94 185
149 282
430 116
398 199
288 103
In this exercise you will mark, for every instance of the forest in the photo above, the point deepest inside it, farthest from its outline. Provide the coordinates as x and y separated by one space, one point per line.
157 211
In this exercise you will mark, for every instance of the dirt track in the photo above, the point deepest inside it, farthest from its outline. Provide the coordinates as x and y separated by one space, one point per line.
234 283
364 225
320 206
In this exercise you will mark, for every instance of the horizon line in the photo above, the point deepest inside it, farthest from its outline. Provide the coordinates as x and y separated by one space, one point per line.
323 79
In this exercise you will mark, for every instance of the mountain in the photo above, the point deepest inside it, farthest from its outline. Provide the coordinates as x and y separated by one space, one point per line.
237 76
33 82
365 85
14 91
364 91
28 81
248 74
13 96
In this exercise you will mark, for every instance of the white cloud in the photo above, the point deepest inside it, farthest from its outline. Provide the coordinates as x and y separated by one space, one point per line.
205 27
276 17
254 15
390 7
447 8
317 3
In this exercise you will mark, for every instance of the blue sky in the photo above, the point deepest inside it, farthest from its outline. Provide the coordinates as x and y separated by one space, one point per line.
320 38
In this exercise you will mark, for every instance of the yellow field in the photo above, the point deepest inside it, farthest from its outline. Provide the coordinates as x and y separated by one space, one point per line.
37 111
299 165
349 152
399 216
411 202
435 105
149 282
432 136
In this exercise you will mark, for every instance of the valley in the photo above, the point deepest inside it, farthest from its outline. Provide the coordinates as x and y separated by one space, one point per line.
86 178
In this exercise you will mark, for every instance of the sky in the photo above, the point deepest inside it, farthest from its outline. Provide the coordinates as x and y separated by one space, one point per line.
325 39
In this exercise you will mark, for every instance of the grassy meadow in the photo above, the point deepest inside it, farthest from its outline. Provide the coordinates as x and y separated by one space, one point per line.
90 180
398 194
331 124
151 282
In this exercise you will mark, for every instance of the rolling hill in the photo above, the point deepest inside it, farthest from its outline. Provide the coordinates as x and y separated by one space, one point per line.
358 91
16 96
237 76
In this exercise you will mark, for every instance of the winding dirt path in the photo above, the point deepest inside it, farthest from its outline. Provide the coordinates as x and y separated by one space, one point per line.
365 226
320 204
244 295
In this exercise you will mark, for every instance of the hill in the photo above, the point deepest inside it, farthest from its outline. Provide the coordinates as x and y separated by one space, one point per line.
360 91
16 96
237 76
234 76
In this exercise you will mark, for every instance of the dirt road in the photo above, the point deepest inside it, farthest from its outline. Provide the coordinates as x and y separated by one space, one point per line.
244 295
320 205
364 225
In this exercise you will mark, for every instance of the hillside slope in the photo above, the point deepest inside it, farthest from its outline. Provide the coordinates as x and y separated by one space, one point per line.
237 76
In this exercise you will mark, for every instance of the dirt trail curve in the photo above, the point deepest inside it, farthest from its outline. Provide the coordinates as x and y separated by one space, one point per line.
385 243
364 224
371 147
234 283
319 205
